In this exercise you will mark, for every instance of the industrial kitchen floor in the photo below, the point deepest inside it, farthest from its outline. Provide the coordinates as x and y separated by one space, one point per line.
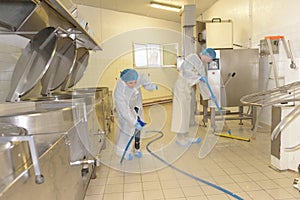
240 167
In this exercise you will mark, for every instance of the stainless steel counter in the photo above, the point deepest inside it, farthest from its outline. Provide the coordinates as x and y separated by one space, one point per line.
62 181
62 133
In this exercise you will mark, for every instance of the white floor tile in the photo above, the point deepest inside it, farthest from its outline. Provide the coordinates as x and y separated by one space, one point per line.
249 186
133 195
267 184
242 168
192 191
173 193
260 195
114 188
279 193
133 187
153 194
149 177
95 190
218 197
113 196
151 185
93 197
223 179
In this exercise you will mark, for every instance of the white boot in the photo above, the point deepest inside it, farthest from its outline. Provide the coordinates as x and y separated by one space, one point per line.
184 140
296 184
195 140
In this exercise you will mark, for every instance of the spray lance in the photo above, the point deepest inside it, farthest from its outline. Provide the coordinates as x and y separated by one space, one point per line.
136 131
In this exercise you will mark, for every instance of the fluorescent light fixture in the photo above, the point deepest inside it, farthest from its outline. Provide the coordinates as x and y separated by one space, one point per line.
165 6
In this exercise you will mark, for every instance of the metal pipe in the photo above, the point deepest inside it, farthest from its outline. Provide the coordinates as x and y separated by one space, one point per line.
286 93
275 70
18 33
285 122
82 162
292 65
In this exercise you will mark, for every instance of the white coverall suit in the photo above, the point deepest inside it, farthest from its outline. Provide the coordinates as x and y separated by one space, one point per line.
190 72
125 99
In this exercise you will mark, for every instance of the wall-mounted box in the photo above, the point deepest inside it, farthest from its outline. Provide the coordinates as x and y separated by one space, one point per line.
219 34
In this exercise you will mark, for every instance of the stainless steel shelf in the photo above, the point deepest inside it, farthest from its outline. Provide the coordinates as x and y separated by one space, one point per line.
84 35
25 17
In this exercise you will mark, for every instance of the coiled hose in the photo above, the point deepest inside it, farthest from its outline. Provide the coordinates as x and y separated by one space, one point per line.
185 173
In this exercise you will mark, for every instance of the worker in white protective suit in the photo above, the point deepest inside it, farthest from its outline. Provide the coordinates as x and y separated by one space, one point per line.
128 105
191 70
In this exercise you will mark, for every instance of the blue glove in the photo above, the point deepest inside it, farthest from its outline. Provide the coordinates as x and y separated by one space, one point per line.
156 87
141 122
203 79
138 126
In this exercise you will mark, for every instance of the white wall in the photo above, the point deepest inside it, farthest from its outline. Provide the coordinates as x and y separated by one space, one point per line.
117 31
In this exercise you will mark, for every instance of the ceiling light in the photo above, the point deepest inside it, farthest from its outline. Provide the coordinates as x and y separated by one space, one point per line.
165 6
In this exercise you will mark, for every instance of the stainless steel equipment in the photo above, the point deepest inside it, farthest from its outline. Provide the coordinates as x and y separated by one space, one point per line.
78 70
62 137
10 134
283 94
103 105
47 124
33 63
284 138
27 17
64 53
232 77
90 137
98 115
245 64
62 181
13 154
61 65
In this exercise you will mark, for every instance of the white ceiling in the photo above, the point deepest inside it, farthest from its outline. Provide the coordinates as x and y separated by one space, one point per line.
142 7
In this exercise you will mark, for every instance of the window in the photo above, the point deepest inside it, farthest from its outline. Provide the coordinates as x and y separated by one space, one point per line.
140 55
170 54
154 55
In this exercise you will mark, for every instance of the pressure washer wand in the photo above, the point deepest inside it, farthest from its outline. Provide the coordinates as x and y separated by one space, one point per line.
133 136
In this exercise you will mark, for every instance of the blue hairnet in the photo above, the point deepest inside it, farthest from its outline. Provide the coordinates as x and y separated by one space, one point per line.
209 52
129 75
